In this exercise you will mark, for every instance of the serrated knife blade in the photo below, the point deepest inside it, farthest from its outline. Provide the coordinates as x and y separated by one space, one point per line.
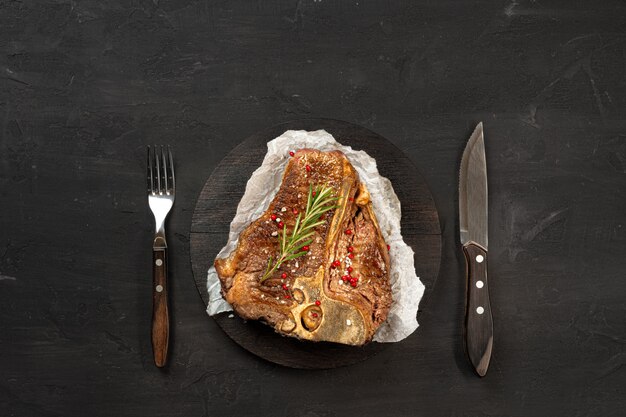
473 219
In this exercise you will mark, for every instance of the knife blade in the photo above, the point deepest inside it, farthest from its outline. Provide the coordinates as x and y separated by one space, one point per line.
473 207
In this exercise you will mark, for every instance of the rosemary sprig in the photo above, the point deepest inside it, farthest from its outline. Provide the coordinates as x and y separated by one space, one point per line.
291 245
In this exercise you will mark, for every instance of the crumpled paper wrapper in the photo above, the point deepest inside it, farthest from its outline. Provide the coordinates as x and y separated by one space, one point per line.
407 289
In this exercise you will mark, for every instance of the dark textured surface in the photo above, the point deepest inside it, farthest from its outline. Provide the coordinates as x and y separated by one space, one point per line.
85 85
217 204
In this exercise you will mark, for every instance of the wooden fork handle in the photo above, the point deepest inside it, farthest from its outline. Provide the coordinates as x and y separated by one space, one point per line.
160 313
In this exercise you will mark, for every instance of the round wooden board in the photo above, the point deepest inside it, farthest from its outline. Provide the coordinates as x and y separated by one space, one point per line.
216 208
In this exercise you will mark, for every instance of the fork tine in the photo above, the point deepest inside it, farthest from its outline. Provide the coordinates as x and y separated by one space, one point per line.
158 168
171 158
150 172
166 190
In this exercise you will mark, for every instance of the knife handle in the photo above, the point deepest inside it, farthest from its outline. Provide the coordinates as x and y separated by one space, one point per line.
160 313
478 318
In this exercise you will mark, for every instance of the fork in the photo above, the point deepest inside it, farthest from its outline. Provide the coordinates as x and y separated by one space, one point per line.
161 191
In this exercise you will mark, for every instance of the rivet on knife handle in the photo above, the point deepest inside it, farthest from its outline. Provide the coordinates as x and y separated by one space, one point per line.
478 318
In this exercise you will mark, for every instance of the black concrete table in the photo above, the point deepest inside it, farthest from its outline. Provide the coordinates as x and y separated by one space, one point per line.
85 85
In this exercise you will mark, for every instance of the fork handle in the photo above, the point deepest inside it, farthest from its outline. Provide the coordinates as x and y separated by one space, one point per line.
160 313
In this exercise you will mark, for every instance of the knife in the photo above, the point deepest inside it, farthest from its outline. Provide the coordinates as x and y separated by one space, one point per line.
473 233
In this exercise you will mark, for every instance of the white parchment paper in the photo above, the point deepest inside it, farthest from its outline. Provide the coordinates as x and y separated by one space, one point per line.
407 289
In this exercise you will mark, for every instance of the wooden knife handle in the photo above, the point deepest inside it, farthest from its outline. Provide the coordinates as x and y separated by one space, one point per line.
478 318
160 314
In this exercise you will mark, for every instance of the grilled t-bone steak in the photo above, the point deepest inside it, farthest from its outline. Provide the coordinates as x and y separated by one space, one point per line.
339 290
